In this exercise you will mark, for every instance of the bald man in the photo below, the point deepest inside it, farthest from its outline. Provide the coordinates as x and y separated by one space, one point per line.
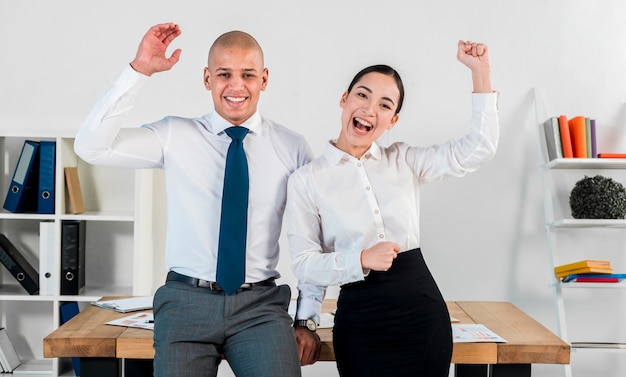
197 321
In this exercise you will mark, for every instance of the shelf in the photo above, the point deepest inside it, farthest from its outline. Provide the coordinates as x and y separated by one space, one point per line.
123 216
89 215
25 216
14 292
575 285
598 347
587 163
588 223
118 253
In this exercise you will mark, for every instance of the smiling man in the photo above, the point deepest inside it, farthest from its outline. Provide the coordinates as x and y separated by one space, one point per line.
200 312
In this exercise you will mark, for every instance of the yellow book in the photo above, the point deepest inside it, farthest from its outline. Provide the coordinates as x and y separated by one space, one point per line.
582 264
585 270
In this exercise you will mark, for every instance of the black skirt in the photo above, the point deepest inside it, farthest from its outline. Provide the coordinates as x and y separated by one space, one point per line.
393 324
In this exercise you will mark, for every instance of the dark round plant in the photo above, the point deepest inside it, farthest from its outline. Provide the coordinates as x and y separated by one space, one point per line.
598 198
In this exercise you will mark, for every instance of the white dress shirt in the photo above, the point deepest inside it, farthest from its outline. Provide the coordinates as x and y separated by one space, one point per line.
192 153
339 205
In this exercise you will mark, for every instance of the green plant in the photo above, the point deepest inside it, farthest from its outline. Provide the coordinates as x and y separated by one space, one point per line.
598 198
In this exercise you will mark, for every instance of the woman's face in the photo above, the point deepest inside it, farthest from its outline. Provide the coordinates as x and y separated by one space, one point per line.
369 109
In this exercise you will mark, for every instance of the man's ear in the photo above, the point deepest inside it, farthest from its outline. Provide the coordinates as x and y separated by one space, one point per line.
207 77
264 78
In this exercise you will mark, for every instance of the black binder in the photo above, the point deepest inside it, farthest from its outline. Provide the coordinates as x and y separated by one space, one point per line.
72 256
22 194
19 267
47 162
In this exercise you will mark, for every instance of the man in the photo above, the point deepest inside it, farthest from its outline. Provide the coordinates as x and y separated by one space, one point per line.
197 318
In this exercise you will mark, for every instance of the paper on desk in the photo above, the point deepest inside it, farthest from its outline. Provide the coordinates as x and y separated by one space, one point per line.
143 320
125 305
470 333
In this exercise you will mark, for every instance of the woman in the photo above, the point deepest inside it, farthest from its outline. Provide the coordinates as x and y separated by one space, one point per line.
353 215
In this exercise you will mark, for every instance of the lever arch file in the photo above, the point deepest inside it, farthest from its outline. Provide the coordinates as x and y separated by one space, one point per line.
72 256
18 266
47 159
23 188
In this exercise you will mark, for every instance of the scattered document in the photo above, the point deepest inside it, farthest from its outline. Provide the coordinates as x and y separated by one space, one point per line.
125 305
471 333
143 320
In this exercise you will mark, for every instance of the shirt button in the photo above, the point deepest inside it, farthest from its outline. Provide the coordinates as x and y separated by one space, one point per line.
381 236
358 165
376 212
368 188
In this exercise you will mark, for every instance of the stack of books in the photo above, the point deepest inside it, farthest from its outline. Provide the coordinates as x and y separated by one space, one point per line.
588 271
573 138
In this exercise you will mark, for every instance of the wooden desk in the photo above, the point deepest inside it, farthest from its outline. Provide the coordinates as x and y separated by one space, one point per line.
101 347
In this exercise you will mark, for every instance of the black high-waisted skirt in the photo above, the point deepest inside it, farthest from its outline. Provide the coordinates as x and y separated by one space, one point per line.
393 324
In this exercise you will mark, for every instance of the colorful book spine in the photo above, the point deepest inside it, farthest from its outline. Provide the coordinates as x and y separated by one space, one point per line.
566 141
598 278
594 144
578 134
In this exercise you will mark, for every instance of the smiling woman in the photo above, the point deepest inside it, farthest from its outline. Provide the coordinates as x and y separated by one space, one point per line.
353 220
370 108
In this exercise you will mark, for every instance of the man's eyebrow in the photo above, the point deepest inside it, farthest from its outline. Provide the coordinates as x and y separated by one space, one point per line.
370 91
230 69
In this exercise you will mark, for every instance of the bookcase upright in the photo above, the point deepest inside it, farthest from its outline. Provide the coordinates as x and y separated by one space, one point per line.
118 253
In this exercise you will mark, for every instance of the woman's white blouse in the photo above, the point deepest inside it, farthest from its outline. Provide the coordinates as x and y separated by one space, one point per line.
338 205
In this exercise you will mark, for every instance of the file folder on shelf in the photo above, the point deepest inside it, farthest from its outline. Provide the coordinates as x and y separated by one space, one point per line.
18 266
74 192
47 273
21 196
47 160
72 256
68 311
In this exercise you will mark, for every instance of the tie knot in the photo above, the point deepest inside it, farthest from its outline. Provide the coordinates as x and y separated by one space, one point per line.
236 133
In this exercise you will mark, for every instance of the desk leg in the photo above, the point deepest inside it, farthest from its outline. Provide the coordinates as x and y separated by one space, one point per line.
138 368
496 370
100 367
471 370
510 370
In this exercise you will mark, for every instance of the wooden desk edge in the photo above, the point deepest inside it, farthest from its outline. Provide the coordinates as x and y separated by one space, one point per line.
138 344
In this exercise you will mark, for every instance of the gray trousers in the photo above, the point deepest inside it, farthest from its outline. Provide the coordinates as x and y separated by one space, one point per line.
194 327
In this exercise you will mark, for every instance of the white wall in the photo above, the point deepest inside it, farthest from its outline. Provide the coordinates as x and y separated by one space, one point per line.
482 235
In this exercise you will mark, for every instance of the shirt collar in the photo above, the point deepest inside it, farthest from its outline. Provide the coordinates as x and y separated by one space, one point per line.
334 155
219 124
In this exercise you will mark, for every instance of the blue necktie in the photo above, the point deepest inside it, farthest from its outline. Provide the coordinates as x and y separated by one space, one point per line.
231 258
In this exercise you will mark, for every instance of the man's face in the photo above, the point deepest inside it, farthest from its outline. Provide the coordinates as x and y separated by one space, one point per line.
235 76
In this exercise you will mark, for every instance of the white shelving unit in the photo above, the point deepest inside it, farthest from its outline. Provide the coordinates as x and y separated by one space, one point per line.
119 253
581 308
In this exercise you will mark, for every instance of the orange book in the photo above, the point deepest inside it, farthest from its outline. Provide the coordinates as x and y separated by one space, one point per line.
578 134
612 155
566 141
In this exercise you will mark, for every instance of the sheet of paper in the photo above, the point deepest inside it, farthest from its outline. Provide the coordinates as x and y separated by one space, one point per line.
125 305
471 333
143 320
